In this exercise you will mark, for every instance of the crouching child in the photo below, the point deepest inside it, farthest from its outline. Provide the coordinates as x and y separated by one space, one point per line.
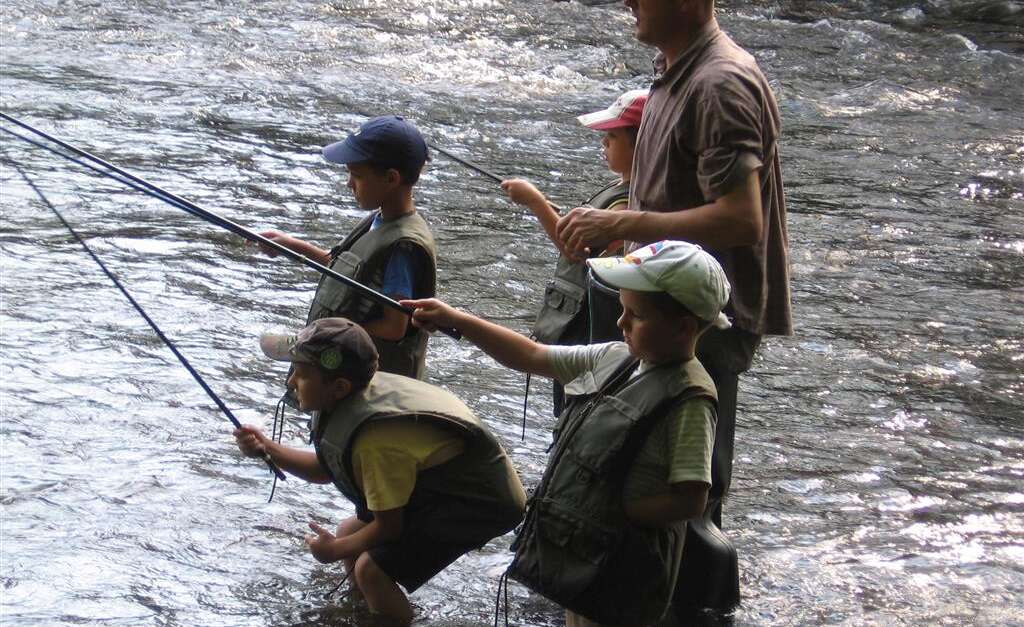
631 458
428 479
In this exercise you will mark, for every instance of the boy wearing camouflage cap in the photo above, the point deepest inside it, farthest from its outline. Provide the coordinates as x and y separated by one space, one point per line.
428 479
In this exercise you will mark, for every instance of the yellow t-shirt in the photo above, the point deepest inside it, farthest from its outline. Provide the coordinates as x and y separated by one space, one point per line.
387 455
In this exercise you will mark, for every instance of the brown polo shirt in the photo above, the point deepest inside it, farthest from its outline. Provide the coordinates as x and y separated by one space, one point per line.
710 120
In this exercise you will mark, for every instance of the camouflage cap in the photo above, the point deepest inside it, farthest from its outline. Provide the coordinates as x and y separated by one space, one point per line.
336 345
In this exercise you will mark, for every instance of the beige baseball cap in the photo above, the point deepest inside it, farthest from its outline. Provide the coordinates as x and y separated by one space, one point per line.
684 271
337 345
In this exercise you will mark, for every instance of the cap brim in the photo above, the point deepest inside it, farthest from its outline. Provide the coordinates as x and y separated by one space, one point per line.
600 120
345 151
621 273
278 347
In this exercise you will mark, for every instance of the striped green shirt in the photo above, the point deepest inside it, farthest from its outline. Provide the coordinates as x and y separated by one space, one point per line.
678 448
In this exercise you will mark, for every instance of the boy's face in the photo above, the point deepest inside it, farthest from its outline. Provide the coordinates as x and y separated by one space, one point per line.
371 186
314 391
618 150
650 334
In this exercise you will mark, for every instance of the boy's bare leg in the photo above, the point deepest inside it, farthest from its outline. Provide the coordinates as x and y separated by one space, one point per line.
382 594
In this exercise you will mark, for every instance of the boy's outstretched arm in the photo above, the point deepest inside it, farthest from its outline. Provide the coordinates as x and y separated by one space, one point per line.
523 192
304 248
507 347
301 463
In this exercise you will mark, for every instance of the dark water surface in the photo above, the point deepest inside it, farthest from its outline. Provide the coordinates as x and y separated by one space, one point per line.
880 450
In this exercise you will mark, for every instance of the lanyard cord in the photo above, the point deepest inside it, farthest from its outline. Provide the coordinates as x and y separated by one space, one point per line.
174 349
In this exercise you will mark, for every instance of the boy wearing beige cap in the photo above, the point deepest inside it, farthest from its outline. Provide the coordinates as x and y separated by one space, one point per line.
428 479
572 313
631 461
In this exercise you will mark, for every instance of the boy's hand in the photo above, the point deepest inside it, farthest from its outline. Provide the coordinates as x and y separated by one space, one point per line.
523 192
321 545
251 441
431 313
275 236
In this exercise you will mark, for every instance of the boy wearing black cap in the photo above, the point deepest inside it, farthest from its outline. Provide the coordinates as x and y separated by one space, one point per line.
428 479
391 251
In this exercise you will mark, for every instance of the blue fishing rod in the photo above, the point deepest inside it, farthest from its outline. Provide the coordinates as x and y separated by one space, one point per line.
109 170
174 349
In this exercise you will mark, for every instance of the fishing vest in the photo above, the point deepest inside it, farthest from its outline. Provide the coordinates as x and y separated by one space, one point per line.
470 498
361 256
576 546
569 308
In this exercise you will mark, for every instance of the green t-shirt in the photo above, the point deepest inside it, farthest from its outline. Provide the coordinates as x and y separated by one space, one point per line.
679 447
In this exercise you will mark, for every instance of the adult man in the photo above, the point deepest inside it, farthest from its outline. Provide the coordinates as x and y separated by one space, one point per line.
707 170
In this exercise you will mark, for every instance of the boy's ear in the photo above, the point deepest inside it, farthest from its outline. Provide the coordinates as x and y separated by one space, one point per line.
393 177
341 387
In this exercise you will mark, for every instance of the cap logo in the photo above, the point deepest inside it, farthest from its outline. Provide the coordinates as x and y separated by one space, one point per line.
331 358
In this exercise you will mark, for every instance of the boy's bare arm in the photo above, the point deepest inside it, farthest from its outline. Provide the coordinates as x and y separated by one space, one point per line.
507 347
683 501
523 192
304 248
326 547
392 325
300 463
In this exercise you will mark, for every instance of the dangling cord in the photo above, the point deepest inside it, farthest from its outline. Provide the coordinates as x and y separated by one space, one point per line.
526 400
276 433
502 584
174 349
335 588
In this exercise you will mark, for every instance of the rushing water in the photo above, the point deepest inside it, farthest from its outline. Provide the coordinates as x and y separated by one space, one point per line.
880 452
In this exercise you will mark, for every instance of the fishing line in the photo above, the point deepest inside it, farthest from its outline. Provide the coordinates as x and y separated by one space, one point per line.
174 349
213 218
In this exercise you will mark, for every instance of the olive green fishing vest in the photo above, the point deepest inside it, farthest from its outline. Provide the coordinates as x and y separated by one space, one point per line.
470 498
576 546
361 256
564 317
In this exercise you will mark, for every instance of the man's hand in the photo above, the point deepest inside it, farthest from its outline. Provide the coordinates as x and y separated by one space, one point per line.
585 228
431 313
321 544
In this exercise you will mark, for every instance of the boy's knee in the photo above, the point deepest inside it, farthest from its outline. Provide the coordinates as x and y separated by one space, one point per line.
349 526
369 575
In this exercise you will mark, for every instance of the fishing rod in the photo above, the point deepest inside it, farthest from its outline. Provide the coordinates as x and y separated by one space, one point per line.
213 218
174 349
476 168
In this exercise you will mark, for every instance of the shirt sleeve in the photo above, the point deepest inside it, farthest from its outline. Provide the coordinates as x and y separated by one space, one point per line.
569 362
691 437
728 139
399 273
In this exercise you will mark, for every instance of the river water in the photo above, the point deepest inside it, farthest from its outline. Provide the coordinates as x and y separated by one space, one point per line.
880 452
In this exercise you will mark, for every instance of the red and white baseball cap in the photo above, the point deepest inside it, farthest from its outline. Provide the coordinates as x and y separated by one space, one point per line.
625 111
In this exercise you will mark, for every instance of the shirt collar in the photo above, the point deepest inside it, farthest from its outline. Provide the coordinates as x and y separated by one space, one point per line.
662 72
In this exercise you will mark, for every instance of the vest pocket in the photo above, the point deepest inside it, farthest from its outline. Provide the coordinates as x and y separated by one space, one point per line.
602 437
332 294
563 301
569 554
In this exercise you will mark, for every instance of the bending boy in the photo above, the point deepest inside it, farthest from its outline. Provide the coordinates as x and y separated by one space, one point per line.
631 461
391 251
428 479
